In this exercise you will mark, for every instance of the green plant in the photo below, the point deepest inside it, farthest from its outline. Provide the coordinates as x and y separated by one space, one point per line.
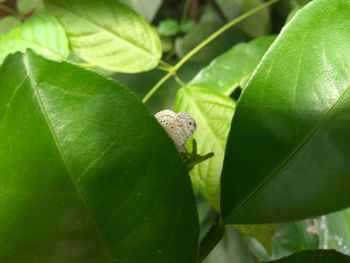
87 174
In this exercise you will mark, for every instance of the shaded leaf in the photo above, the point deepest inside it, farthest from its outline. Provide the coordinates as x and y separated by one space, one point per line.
288 145
82 171
256 25
263 233
147 9
7 23
315 256
27 6
108 34
234 67
41 33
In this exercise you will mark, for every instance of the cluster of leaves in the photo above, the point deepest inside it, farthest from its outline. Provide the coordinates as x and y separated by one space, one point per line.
88 175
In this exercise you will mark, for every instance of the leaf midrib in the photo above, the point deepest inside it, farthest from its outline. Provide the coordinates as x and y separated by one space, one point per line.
295 150
27 66
114 34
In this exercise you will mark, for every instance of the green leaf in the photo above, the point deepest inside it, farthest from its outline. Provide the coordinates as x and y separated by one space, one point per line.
213 113
147 9
288 147
108 34
7 23
263 233
315 256
41 33
334 231
168 27
256 25
27 6
87 174
234 67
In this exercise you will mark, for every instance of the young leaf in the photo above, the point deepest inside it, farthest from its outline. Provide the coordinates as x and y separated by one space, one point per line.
108 34
87 174
213 113
234 67
315 256
41 33
288 147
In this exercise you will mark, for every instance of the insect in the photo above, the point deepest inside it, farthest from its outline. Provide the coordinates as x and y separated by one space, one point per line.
179 126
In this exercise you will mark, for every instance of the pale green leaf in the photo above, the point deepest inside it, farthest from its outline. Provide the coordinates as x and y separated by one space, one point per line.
146 8
234 67
7 23
213 113
108 34
41 33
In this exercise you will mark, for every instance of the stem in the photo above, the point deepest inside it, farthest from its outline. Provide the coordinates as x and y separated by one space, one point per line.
185 12
203 44
221 30
157 86
210 240
11 11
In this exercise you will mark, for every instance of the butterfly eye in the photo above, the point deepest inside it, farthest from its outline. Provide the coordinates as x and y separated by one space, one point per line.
190 123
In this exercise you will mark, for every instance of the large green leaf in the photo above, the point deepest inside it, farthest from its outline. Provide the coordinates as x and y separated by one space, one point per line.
234 67
148 9
213 113
108 34
41 33
86 172
315 256
288 147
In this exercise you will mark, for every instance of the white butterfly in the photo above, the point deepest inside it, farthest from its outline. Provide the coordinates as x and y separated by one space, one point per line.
180 126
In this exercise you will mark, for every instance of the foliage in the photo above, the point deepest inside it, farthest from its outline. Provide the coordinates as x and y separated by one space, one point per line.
88 175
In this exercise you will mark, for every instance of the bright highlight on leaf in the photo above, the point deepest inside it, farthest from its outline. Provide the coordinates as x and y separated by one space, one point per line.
42 33
80 162
289 143
108 34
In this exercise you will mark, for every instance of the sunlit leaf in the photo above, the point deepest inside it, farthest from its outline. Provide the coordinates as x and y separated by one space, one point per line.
41 33
108 34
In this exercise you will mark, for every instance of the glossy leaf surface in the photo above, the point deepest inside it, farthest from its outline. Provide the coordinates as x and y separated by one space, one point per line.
82 171
288 147
41 33
315 256
108 34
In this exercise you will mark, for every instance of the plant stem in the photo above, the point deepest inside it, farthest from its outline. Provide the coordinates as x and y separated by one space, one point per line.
11 11
210 240
203 44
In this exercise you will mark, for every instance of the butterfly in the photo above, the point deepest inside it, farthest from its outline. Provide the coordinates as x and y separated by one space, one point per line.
179 126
